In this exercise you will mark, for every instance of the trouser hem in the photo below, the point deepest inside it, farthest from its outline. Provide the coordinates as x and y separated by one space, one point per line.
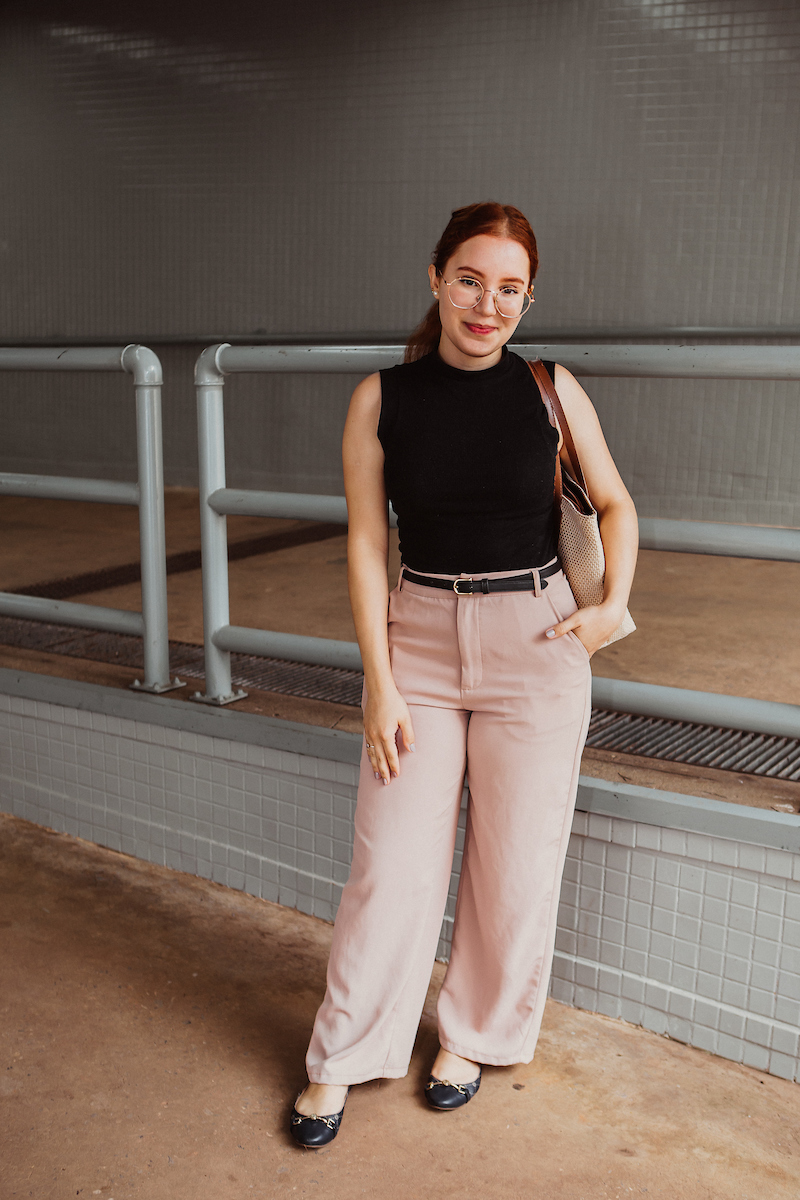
351 1080
485 1060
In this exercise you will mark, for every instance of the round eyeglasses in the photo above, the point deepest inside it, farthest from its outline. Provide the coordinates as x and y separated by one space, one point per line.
511 301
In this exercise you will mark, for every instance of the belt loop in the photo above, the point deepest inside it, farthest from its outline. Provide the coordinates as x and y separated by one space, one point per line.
537 583
400 578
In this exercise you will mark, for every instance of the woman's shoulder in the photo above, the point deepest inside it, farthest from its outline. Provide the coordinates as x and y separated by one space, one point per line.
366 397
523 365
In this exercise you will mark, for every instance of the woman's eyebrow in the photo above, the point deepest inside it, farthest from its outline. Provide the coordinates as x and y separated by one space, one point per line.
475 271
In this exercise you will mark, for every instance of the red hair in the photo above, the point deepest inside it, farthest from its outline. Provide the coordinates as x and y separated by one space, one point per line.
488 217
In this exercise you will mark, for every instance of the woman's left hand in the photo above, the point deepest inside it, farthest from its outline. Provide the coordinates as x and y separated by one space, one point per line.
592 626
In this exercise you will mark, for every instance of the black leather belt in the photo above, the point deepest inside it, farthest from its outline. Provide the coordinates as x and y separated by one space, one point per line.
474 587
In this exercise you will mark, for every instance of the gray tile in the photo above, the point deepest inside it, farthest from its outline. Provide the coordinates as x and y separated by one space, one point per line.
754 1056
631 1011
734 994
783 1066
705 1039
732 1023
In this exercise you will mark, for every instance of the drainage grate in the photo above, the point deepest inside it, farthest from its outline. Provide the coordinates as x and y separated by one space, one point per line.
701 745
649 737
334 684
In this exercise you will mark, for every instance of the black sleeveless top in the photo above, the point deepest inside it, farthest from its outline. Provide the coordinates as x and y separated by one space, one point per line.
470 462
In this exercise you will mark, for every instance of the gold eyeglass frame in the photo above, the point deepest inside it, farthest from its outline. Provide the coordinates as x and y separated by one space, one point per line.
466 308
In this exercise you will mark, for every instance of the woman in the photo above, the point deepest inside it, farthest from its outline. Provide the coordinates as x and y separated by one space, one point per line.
491 675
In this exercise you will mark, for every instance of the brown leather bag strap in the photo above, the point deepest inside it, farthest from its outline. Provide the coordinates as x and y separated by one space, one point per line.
554 410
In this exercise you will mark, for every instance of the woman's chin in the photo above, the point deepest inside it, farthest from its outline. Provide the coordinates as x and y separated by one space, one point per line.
481 347
480 344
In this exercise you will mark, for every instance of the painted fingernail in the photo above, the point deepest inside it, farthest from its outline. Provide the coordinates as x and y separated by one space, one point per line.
386 783
396 774
551 633
413 748
377 774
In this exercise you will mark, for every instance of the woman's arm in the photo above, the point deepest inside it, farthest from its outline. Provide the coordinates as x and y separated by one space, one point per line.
619 527
367 556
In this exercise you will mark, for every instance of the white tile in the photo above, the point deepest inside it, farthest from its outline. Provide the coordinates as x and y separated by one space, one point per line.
724 852
752 858
780 863
599 827
673 841
580 823
623 832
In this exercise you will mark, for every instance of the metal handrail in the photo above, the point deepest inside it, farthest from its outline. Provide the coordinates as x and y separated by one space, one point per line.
696 537
681 362
148 495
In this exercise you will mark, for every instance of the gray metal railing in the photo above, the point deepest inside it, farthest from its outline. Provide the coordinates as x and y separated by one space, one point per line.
148 495
696 537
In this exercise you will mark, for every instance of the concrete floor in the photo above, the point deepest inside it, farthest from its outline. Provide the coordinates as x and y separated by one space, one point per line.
153 1033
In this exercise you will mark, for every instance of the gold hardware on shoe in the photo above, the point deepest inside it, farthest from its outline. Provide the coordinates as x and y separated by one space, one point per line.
329 1121
459 1087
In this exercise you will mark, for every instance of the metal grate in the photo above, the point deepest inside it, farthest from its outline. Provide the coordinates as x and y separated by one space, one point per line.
334 684
702 745
650 737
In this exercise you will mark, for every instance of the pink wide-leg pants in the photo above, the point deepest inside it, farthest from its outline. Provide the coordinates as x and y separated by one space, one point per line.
488 693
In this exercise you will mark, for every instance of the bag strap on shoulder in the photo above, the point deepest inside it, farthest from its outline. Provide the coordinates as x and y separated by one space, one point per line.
557 418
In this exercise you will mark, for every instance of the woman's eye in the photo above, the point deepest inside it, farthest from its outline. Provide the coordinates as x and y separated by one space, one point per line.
510 291
470 283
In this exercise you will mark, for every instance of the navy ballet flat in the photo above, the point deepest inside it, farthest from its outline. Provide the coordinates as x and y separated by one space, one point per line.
313 1132
443 1095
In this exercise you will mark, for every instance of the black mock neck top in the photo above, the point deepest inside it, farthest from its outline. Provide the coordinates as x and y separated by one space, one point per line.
469 465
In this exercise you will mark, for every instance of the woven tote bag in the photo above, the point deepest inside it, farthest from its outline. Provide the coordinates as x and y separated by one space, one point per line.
580 546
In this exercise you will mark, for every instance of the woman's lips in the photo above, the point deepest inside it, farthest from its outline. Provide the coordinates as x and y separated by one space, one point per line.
480 328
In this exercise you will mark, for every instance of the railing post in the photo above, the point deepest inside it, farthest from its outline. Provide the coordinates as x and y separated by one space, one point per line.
210 381
145 367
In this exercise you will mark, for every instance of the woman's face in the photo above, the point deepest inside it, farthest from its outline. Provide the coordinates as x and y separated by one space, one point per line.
473 338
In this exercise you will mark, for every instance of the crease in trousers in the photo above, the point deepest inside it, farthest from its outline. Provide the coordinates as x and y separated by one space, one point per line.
491 695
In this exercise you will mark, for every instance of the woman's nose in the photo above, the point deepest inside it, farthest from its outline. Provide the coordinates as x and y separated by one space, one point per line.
485 305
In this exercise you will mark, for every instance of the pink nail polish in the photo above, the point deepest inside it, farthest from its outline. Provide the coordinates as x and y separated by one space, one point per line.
386 783
377 775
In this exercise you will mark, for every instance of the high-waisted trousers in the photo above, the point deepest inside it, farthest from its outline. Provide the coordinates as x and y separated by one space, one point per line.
491 695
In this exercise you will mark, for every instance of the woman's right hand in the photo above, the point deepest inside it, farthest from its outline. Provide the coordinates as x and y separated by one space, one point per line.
384 714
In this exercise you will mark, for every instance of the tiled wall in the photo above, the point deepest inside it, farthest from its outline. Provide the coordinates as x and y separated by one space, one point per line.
693 935
288 170
690 935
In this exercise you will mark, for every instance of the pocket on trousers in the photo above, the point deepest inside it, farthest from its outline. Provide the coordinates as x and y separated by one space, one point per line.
557 613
